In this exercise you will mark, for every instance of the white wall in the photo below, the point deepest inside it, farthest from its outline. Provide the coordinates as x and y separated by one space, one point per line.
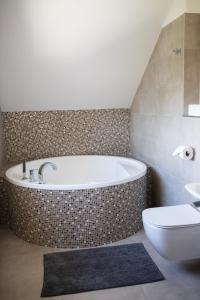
179 7
75 54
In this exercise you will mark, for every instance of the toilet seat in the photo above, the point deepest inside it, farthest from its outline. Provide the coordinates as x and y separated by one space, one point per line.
172 217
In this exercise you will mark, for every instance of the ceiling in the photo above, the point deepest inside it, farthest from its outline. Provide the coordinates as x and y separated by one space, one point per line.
75 54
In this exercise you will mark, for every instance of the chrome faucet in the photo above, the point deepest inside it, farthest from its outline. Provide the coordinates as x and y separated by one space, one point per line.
41 169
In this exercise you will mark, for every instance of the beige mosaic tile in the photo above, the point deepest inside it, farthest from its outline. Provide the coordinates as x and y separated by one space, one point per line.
4 208
77 218
40 134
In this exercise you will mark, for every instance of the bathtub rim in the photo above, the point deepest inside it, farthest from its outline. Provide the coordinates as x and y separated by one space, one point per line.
73 187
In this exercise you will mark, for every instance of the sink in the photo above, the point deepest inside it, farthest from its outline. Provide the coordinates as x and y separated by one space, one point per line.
193 189
194 110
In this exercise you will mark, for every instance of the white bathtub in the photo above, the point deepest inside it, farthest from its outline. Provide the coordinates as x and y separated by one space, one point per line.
89 201
80 172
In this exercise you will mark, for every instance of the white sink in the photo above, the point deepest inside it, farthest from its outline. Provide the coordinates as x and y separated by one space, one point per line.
193 189
194 110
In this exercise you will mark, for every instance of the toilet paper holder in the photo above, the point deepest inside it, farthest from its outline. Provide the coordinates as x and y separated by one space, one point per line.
184 152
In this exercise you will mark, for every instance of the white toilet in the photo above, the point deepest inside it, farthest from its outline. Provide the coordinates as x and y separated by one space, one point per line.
174 231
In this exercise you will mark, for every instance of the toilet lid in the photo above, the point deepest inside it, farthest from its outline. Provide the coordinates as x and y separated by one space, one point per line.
172 216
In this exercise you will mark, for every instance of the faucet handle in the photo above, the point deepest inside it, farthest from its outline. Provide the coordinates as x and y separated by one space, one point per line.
34 175
24 170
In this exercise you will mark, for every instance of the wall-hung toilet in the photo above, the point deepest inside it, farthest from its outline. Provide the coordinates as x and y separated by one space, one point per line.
174 231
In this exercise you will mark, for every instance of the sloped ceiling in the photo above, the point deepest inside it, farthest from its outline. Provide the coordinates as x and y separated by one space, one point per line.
75 54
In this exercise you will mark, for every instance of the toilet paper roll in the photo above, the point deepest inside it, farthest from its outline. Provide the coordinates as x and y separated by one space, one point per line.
184 152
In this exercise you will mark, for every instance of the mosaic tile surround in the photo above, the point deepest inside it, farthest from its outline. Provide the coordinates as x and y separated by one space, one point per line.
70 219
79 218
40 134
4 207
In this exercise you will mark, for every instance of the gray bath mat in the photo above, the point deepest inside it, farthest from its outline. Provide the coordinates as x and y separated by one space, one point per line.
97 268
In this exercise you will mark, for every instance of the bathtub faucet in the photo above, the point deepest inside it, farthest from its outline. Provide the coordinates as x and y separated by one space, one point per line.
24 170
41 169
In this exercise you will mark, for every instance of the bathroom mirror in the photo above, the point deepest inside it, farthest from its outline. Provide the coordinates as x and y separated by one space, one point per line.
192 66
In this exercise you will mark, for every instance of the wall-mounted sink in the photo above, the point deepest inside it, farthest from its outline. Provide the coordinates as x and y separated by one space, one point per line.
193 189
194 110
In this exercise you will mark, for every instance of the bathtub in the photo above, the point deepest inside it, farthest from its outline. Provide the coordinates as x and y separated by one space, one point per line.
87 201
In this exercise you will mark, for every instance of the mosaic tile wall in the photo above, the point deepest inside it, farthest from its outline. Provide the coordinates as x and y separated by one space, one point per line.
40 134
2 154
81 218
4 208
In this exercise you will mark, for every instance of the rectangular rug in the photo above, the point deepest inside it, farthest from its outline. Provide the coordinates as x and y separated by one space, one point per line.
97 268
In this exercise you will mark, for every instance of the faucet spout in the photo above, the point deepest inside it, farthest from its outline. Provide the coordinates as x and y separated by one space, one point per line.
41 170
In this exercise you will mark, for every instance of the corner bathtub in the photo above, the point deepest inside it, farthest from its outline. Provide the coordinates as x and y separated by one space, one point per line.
88 201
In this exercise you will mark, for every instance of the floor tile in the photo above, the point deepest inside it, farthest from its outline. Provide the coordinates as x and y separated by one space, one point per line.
21 273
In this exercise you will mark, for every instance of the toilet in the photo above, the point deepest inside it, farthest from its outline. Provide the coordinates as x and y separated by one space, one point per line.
174 231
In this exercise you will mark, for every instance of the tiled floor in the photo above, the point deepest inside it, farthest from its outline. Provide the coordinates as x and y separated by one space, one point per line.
21 275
